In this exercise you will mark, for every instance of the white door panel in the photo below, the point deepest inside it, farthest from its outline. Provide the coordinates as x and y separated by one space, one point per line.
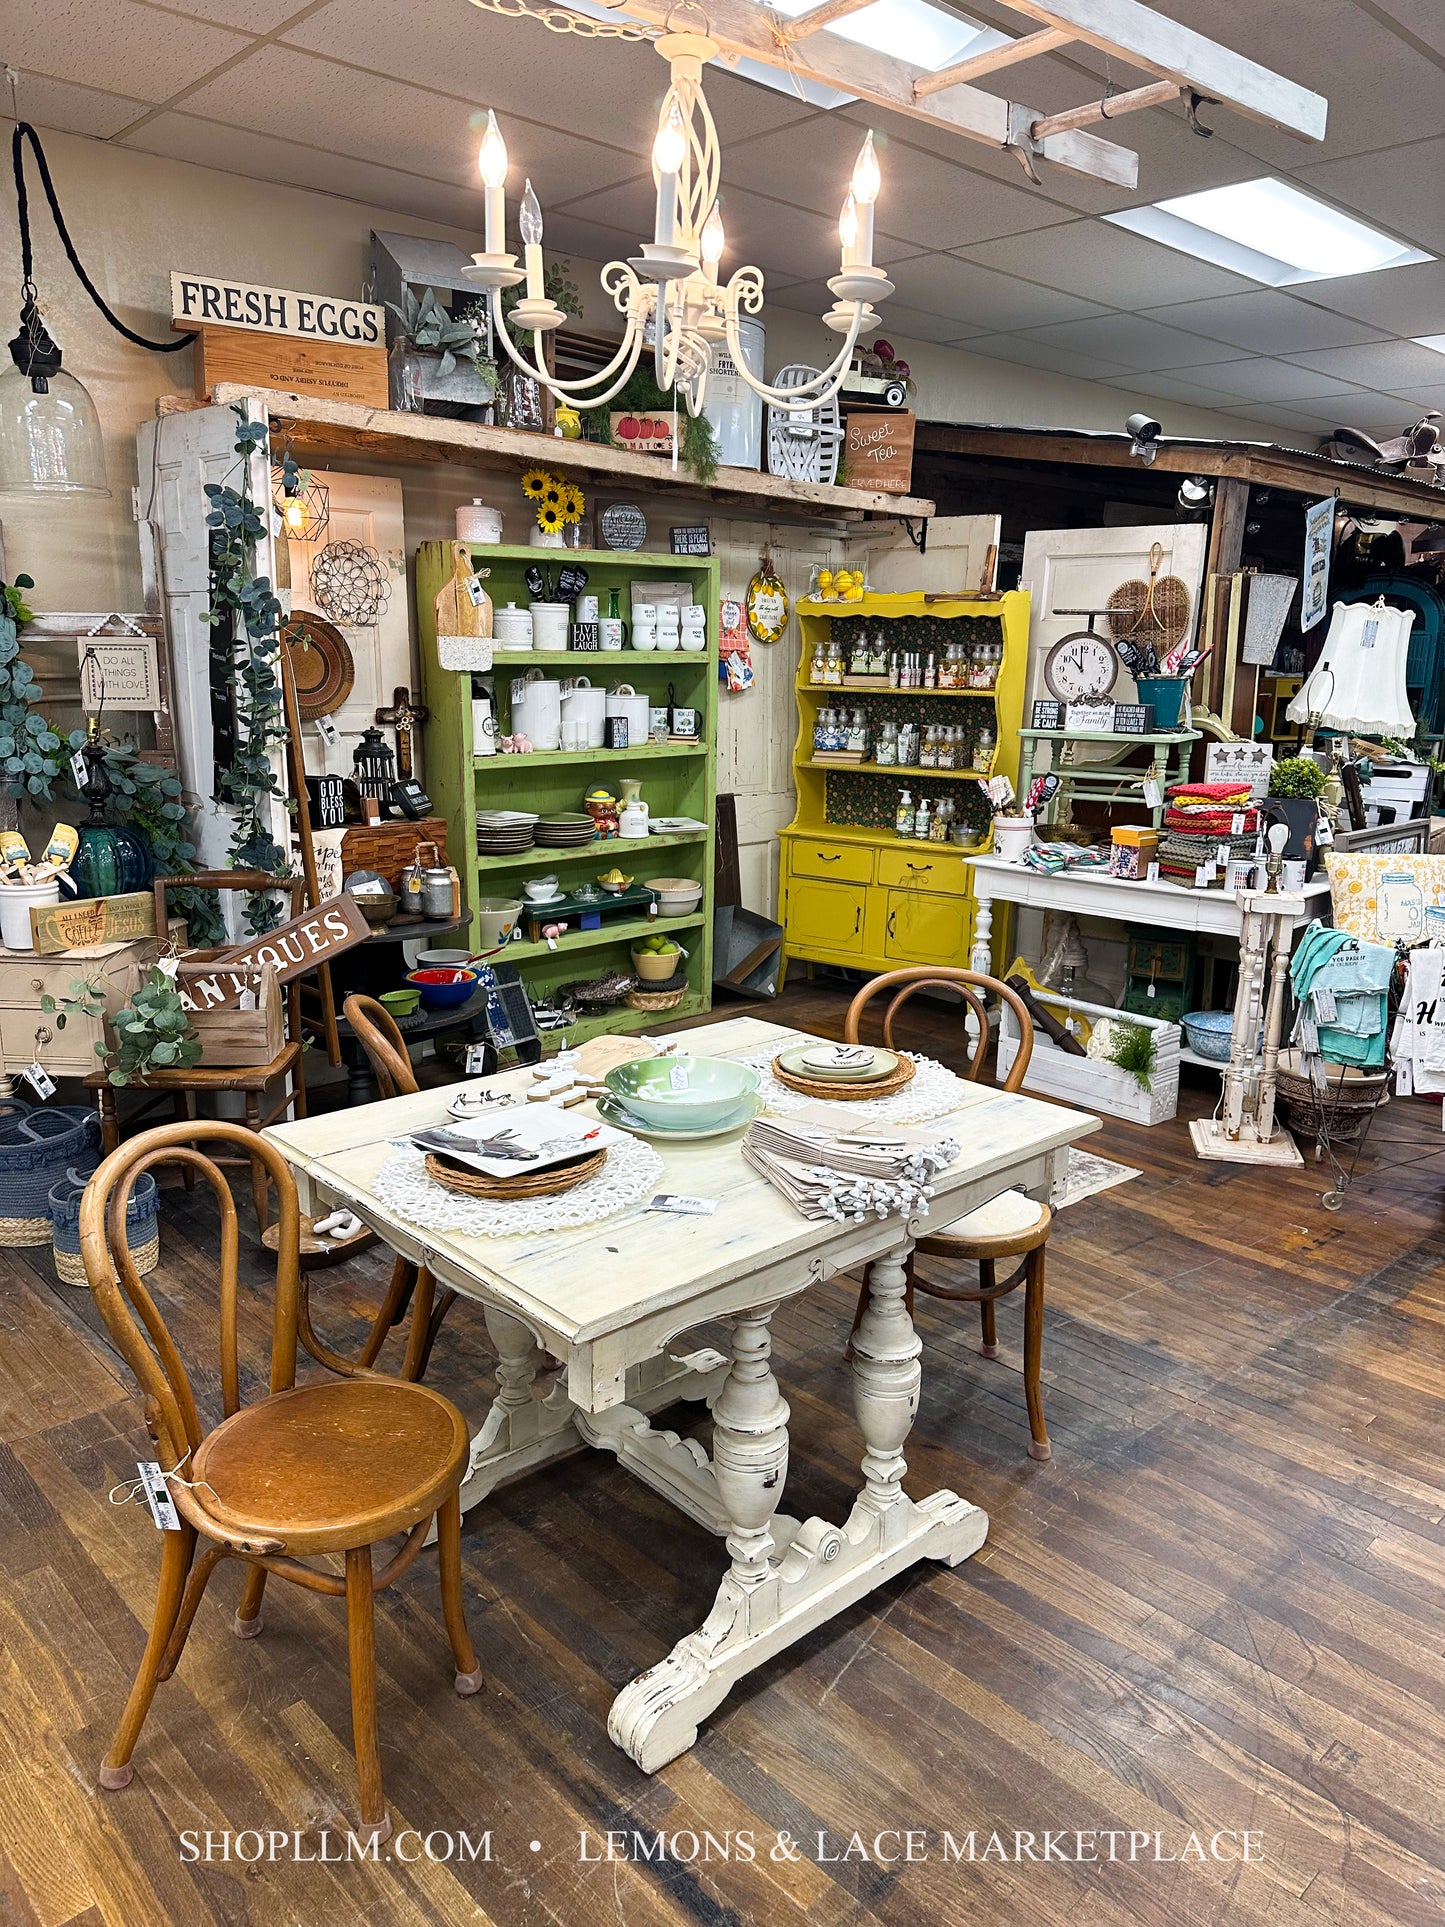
956 559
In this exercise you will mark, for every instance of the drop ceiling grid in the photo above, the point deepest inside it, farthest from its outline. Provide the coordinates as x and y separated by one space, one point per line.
379 102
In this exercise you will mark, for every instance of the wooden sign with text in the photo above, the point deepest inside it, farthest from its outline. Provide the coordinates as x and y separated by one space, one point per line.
878 452
201 300
291 949
335 370
93 920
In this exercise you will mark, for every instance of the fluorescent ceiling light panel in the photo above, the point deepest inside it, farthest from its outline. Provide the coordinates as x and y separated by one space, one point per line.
1437 342
1270 231
912 30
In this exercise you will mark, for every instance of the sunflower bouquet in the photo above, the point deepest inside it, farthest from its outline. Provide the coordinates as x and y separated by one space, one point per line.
559 502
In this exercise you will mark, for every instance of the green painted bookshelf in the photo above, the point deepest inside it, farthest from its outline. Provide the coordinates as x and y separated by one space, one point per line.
677 779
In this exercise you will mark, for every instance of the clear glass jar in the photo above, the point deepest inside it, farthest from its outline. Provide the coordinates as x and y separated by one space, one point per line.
404 368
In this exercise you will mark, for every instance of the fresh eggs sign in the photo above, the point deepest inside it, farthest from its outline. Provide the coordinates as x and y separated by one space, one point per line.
198 300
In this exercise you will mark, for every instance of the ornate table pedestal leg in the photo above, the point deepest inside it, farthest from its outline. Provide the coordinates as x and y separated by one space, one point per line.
980 956
787 1576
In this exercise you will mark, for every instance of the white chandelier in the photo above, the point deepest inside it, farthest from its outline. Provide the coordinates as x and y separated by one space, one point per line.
672 286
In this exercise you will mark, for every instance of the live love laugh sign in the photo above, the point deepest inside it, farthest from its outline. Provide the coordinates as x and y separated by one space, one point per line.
198 300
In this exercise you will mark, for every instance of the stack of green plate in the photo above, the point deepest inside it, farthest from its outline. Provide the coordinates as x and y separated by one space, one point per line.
839 1063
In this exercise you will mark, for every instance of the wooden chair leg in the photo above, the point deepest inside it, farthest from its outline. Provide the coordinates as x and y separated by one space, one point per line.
248 1621
1039 1447
361 1651
986 1318
433 1326
109 1121
195 1590
260 1183
398 1293
449 1561
414 1364
177 1551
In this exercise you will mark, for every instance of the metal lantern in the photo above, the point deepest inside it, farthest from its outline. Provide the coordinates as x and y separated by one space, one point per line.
374 766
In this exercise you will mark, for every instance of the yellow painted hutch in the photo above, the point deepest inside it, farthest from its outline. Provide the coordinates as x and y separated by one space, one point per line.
852 891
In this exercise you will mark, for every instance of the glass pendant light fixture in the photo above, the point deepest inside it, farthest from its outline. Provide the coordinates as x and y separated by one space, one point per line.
50 439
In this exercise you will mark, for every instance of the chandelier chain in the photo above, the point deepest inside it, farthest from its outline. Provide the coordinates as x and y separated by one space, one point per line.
561 20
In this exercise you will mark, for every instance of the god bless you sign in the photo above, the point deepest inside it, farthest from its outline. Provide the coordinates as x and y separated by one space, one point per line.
878 452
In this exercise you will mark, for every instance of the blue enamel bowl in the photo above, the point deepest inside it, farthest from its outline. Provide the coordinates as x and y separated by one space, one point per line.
444 987
685 1092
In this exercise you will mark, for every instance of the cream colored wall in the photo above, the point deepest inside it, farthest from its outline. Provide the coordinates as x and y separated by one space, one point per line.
135 216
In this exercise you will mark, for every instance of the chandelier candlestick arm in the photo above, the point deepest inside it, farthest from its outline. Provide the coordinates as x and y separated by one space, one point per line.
577 393
824 385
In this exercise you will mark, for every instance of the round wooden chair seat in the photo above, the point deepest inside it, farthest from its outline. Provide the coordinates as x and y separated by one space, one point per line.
1006 1227
334 1465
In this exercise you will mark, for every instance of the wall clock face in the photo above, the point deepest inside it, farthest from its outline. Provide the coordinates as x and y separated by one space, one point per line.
1080 668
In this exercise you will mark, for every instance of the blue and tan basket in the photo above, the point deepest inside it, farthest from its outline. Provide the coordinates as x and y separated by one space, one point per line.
142 1226
37 1147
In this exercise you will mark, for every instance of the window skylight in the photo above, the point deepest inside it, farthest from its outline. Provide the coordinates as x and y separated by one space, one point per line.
1270 231
912 30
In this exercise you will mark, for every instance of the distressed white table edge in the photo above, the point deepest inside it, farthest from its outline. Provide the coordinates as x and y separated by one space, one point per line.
787 1575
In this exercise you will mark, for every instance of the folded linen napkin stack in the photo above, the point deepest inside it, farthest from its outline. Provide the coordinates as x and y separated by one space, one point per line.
830 1162
1202 818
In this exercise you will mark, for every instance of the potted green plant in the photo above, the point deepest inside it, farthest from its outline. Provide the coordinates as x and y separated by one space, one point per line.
1297 776
153 1032
437 357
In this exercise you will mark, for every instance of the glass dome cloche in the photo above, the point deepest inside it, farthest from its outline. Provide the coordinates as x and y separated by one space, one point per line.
50 440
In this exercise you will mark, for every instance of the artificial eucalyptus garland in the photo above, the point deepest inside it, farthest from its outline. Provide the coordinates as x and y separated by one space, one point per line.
247 610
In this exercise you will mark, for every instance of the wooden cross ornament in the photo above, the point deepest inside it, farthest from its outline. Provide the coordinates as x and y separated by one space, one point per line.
404 716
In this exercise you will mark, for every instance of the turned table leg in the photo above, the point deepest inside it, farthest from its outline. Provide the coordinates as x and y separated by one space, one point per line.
980 957
750 1447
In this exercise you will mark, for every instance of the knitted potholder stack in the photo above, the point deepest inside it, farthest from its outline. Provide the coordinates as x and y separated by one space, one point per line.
1200 821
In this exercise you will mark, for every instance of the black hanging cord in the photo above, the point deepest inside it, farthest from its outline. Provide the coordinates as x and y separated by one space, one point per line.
23 132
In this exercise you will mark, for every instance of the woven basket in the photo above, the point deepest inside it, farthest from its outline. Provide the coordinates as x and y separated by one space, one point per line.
841 1088
142 1226
37 1147
657 997
541 1184
1344 1106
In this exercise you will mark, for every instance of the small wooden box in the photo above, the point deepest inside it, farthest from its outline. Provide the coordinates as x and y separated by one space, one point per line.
235 1038
335 370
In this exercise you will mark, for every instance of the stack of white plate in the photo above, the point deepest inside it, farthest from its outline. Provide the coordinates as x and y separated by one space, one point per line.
503 832
565 830
840 1063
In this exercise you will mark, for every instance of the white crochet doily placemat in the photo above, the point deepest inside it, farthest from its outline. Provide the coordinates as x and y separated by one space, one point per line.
629 1175
933 1091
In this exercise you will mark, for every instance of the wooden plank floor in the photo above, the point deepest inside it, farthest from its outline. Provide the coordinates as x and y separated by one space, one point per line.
1219 1607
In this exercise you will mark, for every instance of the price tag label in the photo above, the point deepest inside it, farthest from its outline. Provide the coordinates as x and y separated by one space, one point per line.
476 1063
680 1077
1236 823
328 732
1203 875
476 594
1324 832
1152 875
687 1207
39 1080
158 1497
78 772
1221 855
1153 795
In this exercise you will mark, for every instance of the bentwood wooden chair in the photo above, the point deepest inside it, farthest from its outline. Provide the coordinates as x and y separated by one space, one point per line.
1010 1226
333 1466
412 1286
255 1083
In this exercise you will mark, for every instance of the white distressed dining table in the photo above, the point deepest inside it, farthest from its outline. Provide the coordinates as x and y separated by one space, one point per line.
608 1299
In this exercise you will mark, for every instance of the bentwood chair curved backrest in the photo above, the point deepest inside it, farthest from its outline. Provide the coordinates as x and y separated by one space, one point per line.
334 1465
1009 1226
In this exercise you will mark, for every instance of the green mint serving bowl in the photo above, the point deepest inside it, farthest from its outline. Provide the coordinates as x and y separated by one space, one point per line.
681 1091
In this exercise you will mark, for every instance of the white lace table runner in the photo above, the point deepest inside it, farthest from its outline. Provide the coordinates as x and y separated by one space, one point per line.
933 1091
630 1174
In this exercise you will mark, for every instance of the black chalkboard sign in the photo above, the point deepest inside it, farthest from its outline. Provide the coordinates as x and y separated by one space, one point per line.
1048 715
623 526
1133 719
692 541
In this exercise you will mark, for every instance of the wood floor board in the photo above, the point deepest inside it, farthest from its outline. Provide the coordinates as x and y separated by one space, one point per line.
1218 1605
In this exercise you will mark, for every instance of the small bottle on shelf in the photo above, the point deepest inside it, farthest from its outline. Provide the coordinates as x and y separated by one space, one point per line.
983 749
908 745
928 748
859 657
818 668
930 671
942 818
921 819
878 659
858 733
885 752
947 669
835 666
904 817
895 670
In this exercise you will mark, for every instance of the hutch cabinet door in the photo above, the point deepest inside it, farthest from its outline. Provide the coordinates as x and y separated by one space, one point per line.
824 916
928 929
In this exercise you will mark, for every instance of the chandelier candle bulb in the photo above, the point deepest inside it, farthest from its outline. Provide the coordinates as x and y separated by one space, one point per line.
492 162
668 153
848 231
867 181
530 222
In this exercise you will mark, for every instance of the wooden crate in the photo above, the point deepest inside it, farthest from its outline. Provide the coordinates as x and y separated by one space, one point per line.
1087 1083
233 1038
387 848
334 370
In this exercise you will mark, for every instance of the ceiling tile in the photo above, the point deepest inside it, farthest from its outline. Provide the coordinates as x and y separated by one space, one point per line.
1172 387
1422 18
1376 414
1396 187
1108 265
946 284
1268 322
234 150
279 92
1399 301
1377 364
900 323
247 16
1135 343
1028 351
927 200
75 110
116 46
1427 394
1262 378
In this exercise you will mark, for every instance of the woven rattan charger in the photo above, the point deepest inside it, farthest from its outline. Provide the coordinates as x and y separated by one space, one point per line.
540 1184
842 1088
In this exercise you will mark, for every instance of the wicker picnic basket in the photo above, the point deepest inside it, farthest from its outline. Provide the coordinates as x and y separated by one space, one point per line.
37 1147
142 1226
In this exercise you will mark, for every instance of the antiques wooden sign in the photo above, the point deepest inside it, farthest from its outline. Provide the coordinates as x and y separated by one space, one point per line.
93 920
291 949
199 300
878 452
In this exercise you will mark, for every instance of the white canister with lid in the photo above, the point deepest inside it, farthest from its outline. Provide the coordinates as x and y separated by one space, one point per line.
478 523
511 627
537 710
550 621
584 704
624 701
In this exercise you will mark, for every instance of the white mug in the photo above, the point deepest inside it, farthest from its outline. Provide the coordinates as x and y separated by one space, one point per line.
644 612
1292 873
644 636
